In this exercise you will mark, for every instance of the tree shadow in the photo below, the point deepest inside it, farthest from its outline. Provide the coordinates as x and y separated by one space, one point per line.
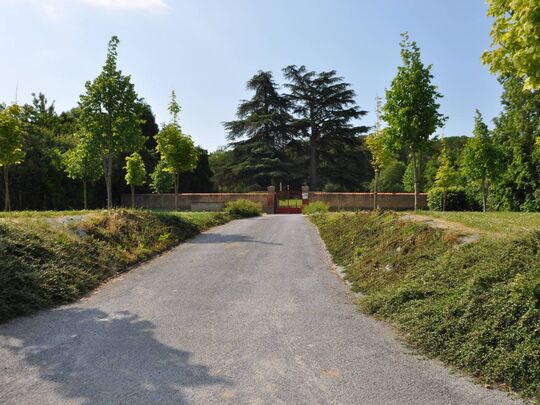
97 357
215 237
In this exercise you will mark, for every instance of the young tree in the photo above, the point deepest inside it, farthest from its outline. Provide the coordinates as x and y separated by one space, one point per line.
261 134
176 149
324 106
481 158
411 109
381 155
135 174
515 40
110 111
84 162
446 175
11 142
162 179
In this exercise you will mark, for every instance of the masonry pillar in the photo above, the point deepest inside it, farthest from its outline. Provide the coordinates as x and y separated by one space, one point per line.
305 196
271 200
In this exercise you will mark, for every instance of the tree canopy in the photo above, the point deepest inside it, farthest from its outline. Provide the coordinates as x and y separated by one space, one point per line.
110 111
411 110
515 40
11 142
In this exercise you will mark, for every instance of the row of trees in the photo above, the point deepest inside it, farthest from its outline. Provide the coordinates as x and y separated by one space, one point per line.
111 127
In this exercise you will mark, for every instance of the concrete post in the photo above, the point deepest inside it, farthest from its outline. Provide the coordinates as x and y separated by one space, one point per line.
271 200
305 195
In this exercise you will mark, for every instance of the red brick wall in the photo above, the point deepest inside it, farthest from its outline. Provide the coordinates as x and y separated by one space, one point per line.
364 201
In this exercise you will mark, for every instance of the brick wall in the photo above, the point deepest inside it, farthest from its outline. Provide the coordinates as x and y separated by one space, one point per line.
364 201
216 201
191 201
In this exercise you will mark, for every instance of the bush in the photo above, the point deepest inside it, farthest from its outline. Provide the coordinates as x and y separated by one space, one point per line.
316 207
457 199
243 208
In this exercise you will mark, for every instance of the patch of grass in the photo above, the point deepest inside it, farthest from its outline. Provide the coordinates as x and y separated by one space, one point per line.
243 208
316 207
475 306
508 223
46 263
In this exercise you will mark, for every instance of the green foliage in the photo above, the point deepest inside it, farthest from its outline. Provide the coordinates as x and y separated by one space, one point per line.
411 109
45 263
316 207
162 180
515 40
83 162
110 111
11 139
135 170
324 109
408 178
243 208
481 159
515 134
391 177
11 136
447 174
176 150
474 306
457 199
261 134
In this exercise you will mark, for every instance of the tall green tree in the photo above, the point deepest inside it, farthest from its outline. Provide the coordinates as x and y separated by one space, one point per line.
110 111
411 110
260 135
381 155
324 109
516 129
11 143
447 174
83 162
176 149
515 38
481 159
135 173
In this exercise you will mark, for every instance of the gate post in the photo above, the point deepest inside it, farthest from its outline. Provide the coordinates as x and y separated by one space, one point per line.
305 196
271 200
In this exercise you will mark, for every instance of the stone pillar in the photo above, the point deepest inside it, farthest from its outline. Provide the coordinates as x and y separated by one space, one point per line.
305 195
271 200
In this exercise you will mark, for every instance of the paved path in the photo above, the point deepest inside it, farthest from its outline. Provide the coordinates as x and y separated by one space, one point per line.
250 313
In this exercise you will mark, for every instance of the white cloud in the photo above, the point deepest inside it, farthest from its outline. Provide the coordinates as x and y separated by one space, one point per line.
146 5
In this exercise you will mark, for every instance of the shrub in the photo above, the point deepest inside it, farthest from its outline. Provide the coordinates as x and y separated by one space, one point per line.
316 207
457 199
243 208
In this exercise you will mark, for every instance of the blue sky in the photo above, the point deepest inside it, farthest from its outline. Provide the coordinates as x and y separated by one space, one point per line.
207 49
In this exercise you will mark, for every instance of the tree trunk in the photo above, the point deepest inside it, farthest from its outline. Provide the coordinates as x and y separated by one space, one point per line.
108 179
7 202
85 200
376 191
444 200
484 196
132 197
176 181
415 179
313 158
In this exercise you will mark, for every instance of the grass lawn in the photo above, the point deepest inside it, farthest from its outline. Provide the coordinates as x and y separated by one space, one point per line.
505 223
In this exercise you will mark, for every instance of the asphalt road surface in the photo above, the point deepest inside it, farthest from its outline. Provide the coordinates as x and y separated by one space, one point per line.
250 313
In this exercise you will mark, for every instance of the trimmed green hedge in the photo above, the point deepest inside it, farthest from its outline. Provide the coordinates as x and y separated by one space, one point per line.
243 208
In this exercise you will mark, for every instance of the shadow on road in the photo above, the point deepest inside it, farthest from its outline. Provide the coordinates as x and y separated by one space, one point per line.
97 357
215 237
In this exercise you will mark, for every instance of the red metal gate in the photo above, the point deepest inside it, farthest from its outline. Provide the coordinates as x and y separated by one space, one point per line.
288 202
